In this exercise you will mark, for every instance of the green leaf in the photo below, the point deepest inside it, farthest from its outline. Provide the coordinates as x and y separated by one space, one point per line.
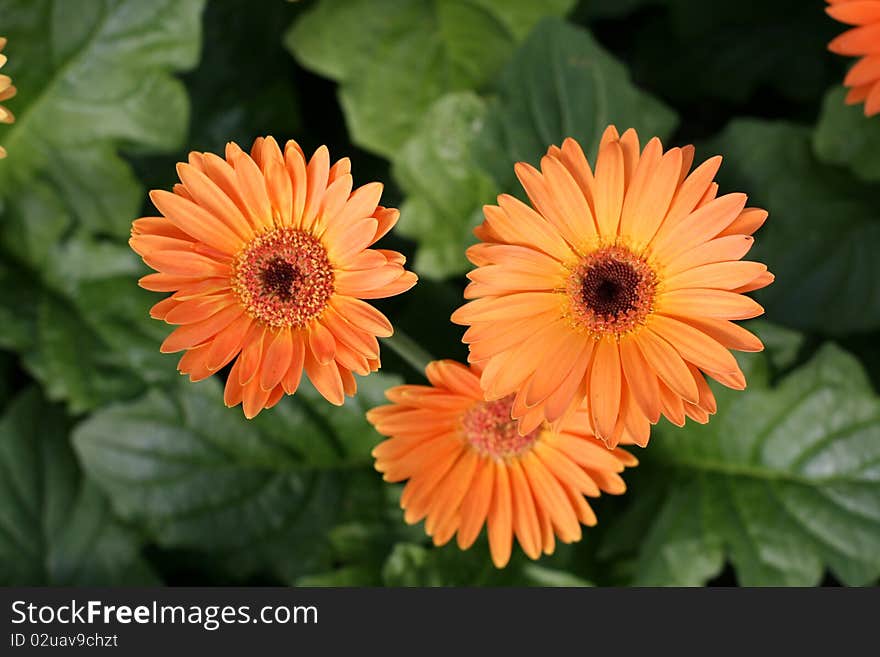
542 576
18 313
84 330
412 564
93 339
73 362
782 346
56 527
783 482
241 88
823 234
562 83
346 576
8 383
99 279
845 136
107 81
93 78
409 565
393 58
444 187
257 496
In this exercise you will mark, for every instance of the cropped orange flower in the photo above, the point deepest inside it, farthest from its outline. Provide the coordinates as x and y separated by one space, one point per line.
861 41
268 260
7 91
467 465
616 291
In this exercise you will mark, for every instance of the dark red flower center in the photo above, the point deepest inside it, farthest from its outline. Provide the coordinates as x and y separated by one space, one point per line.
610 288
612 291
284 278
281 278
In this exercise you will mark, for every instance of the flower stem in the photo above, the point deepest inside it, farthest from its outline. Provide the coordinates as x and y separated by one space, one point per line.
409 350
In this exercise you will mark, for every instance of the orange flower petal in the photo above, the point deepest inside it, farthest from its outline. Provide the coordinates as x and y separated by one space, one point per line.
291 379
556 504
640 379
321 343
609 188
665 360
856 12
362 315
572 156
251 187
863 40
717 275
718 304
208 195
865 71
475 505
197 222
277 358
699 227
317 175
748 221
192 335
227 344
543 201
525 519
252 353
325 378
605 382
500 520
694 346
295 164
638 178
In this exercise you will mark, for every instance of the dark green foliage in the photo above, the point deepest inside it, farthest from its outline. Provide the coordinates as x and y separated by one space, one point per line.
115 470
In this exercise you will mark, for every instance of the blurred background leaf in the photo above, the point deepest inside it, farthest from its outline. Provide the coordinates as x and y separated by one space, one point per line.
437 99
92 75
411 564
843 136
445 189
784 482
258 496
823 235
560 84
104 83
56 527
393 58
243 88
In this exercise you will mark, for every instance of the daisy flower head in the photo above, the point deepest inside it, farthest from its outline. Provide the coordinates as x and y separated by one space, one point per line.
615 292
863 41
7 91
466 466
268 257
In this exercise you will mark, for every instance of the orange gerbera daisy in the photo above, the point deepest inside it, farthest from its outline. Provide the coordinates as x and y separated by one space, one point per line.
7 91
862 41
616 291
467 465
268 260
